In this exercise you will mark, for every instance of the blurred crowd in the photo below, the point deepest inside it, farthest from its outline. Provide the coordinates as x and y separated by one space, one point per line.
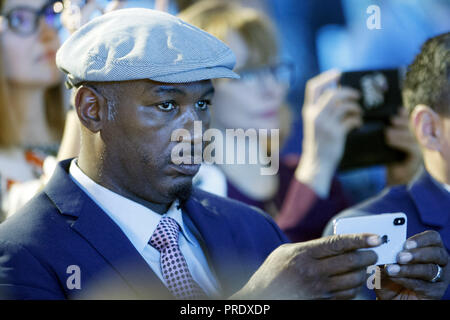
290 56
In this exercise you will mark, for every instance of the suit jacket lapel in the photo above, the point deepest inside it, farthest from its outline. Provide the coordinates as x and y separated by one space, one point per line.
104 235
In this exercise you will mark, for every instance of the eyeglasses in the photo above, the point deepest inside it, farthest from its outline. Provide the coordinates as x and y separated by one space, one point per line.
282 72
24 20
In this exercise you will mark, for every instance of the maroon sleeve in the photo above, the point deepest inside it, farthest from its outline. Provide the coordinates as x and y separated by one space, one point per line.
304 215
299 199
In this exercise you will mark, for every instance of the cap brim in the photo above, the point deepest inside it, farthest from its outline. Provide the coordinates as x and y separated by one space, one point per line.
197 75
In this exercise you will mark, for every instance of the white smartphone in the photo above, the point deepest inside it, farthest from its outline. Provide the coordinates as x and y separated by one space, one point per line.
391 227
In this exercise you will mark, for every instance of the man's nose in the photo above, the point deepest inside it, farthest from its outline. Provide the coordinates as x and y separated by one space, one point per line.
194 124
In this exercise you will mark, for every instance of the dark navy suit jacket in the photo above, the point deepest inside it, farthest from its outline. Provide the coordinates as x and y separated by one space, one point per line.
426 204
62 227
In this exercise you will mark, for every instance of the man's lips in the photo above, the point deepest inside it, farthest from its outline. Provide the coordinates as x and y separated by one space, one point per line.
186 169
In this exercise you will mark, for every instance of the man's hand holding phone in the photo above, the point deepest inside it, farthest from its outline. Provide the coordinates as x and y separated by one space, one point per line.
422 271
413 268
325 268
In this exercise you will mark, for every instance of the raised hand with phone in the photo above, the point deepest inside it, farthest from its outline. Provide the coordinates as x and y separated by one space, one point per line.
342 130
329 114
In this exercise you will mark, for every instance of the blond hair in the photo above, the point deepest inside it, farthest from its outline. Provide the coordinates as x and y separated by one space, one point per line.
222 17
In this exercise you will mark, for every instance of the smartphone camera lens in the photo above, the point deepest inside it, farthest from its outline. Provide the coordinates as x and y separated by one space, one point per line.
399 221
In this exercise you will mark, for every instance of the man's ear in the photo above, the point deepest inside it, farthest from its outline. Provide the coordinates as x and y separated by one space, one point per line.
91 108
427 127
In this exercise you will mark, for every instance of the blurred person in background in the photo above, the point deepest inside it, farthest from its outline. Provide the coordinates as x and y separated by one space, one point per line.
31 101
351 45
303 196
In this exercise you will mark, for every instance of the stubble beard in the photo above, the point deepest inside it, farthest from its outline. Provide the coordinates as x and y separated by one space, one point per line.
181 191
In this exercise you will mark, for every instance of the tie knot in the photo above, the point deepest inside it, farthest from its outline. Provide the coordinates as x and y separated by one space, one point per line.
166 234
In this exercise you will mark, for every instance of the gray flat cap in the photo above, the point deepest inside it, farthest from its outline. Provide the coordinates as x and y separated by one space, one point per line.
133 44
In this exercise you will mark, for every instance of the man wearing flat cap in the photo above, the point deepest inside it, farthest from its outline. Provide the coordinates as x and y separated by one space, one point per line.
123 221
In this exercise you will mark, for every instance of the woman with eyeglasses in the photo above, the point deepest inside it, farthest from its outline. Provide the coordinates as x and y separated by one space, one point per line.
31 101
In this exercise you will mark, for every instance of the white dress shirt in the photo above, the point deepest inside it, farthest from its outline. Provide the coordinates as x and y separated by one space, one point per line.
138 223
447 187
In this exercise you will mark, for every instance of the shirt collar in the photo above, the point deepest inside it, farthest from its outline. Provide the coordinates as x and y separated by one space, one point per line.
136 221
430 198
447 187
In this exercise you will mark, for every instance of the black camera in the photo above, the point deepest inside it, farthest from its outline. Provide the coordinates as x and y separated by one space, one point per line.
399 221
381 99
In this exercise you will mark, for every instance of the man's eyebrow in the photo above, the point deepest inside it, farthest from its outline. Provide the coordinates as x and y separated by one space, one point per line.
169 90
210 91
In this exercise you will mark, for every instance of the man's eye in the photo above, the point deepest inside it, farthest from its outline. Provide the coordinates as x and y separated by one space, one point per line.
166 106
203 104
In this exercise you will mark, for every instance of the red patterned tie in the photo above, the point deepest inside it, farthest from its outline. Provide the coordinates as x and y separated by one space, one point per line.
174 268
